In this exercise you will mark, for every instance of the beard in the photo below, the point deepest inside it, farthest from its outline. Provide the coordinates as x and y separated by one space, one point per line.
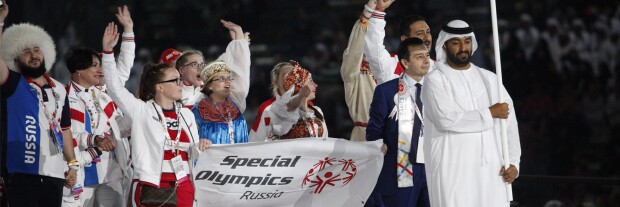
32 72
459 61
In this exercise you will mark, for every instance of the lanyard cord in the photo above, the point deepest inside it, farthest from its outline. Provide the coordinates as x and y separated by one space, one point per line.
163 124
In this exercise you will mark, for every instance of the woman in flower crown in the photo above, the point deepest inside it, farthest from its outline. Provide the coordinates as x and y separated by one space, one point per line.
219 114
292 116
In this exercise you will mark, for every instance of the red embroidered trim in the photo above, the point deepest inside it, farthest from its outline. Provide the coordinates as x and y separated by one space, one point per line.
208 111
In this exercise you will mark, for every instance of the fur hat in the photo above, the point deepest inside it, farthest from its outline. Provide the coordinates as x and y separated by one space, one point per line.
18 37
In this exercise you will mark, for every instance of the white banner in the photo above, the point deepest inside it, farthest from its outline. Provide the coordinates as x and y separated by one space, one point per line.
300 172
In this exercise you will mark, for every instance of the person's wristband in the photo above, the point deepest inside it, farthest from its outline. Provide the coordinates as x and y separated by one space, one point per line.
73 163
75 167
107 52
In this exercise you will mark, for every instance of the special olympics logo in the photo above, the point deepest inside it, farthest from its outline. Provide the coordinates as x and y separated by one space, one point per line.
330 172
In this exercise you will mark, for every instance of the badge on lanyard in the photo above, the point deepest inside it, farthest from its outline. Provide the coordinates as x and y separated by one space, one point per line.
56 136
231 130
179 169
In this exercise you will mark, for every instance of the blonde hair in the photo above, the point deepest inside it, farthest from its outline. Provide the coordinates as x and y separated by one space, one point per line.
275 73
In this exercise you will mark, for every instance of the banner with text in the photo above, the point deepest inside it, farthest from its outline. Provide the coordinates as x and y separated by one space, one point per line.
299 172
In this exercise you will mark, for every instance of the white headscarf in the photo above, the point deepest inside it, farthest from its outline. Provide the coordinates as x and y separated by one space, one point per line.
454 29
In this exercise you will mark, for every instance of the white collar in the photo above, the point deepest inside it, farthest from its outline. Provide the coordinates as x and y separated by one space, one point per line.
82 88
411 82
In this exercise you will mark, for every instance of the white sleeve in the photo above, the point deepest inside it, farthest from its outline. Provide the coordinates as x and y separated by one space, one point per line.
382 64
261 129
443 112
512 129
125 100
237 58
282 120
353 55
126 56
86 156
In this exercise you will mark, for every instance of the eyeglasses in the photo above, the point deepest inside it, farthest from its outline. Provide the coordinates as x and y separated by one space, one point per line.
222 79
196 65
177 81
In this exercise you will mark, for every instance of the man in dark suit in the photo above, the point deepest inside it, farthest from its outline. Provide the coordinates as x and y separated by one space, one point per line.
396 117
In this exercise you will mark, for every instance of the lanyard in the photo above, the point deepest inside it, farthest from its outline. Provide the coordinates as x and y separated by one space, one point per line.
415 106
417 110
94 122
54 128
51 118
228 118
163 124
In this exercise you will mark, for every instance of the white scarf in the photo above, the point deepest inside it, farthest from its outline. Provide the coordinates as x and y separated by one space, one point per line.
404 111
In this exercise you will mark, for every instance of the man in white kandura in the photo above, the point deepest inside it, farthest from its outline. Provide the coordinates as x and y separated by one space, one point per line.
461 125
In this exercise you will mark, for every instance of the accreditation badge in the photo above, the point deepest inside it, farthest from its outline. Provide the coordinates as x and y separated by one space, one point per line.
179 169
56 136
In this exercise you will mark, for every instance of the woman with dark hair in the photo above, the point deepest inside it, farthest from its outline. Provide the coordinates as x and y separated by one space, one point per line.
292 115
162 137
97 124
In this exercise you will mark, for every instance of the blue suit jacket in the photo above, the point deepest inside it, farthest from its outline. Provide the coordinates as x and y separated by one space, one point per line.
382 127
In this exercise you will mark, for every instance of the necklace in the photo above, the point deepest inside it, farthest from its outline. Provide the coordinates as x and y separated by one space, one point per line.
94 116
54 128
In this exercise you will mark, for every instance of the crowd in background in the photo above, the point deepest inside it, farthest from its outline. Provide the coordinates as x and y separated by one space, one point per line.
559 60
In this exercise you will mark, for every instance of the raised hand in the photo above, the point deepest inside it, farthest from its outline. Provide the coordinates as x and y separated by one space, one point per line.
246 35
384 4
372 4
235 31
110 37
124 17
4 11
307 89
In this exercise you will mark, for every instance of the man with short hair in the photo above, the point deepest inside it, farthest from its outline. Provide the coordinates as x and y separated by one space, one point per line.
35 133
462 110
384 66
396 117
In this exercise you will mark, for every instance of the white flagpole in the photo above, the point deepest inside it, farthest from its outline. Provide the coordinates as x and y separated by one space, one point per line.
498 71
